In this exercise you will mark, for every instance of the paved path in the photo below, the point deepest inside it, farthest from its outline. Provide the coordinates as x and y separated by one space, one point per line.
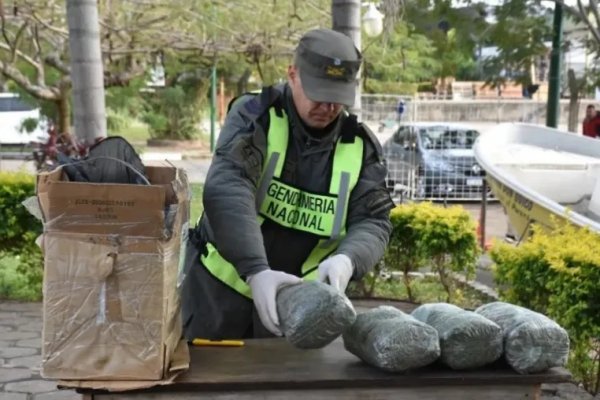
20 355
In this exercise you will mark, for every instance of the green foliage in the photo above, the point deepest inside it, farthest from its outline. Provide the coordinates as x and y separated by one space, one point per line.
135 132
174 113
20 258
426 235
21 274
196 205
405 57
18 227
29 125
424 290
519 35
558 274
454 33
117 121
126 100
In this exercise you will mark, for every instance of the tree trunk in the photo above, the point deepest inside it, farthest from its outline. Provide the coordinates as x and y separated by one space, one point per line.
86 70
573 101
345 15
409 292
64 117
242 83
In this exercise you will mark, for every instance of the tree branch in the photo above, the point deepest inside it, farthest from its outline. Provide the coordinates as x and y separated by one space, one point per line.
572 10
46 25
122 78
596 13
15 44
40 92
55 62
40 73
25 57
3 20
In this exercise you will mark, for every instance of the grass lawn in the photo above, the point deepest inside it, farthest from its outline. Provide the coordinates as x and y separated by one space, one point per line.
426 290
137 132
196 203
13 284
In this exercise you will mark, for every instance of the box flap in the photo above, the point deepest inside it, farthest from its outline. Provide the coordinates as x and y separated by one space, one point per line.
101 208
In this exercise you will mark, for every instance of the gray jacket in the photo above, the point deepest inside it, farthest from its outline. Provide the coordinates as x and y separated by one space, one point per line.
230 218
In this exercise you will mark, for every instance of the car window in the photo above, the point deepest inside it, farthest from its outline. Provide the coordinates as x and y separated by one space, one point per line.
444 138
430 136
14 104
459 138
401 135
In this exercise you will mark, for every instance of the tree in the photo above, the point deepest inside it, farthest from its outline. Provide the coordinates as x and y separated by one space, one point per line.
589 14
520 32
406 57
34 52
455 33
87 73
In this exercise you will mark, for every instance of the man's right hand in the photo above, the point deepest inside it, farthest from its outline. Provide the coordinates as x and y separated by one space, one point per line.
264 286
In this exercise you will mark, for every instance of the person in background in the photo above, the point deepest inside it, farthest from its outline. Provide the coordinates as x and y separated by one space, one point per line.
400 110
591 122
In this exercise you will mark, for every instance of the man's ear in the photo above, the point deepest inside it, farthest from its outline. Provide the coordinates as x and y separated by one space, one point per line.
292 73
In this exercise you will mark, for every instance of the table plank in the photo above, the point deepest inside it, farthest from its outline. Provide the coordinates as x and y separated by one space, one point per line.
512 392
270 365
273 363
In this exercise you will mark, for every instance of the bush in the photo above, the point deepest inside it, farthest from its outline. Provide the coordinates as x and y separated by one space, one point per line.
173 113
17 226
425 235
558 274
21 265
117 121
21 274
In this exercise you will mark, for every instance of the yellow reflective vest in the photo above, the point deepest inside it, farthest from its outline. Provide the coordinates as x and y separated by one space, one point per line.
321 214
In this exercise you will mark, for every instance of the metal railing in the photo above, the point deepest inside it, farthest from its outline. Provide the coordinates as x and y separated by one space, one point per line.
433 162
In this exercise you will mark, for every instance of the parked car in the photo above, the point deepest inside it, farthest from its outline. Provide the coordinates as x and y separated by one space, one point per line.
433 161
13 111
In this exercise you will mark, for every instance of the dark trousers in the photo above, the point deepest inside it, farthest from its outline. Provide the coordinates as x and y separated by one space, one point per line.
210 308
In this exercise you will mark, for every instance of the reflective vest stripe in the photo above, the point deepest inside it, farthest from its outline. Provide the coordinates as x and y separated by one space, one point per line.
347 163
224 271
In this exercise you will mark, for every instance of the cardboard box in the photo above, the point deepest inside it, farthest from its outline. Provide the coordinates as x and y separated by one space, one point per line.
111 261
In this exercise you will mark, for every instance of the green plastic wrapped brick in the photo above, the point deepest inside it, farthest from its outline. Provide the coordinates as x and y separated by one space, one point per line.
467 340
313 314
391 340
532 341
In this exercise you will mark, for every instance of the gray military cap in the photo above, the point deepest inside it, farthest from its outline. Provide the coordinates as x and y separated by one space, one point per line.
328 63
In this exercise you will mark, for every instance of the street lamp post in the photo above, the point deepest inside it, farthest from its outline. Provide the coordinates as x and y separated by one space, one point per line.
346 19
553 106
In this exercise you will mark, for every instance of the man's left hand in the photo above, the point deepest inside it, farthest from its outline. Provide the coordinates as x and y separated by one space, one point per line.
337 270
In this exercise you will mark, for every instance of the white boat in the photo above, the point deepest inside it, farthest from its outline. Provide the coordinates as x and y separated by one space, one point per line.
538 172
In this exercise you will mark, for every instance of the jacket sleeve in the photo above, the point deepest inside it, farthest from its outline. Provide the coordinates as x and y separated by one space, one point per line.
229 192
368 226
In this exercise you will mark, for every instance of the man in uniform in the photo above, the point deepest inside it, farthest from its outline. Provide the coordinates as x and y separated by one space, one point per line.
296 190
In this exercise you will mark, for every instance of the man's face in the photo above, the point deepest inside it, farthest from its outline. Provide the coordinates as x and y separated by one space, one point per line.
590 112
314 114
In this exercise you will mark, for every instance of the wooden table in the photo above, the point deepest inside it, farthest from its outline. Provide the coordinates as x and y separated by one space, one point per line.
273 369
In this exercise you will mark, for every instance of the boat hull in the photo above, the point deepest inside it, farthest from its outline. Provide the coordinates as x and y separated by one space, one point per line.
543 187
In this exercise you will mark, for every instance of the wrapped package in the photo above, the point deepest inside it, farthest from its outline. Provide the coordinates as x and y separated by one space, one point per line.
467 340
313 314
391 340
532 341
111 308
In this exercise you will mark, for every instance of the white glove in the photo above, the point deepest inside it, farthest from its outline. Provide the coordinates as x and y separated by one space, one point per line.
337 270
264 286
